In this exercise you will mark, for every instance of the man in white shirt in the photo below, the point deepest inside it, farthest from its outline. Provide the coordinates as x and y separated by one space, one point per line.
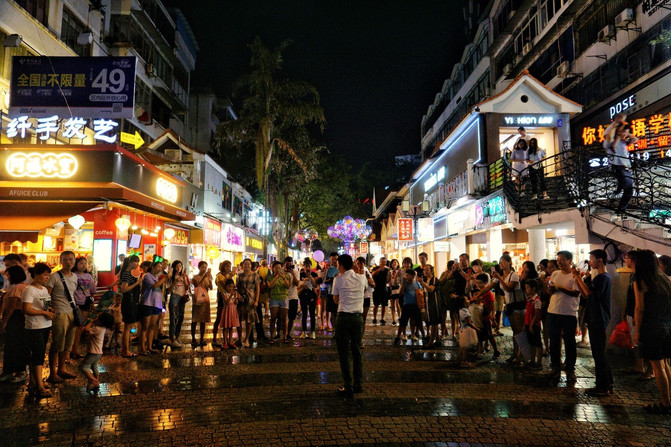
348 288
562 315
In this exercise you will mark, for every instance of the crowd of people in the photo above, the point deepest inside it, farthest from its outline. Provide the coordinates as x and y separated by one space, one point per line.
546 306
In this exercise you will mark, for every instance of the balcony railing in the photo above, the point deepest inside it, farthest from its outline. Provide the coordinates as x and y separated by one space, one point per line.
584 177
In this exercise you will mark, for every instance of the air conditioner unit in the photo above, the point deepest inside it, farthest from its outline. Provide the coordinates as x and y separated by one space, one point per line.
606 34
624 18
511 14
174 154
518 58
526 48
508 69
563 69
85 39
149 69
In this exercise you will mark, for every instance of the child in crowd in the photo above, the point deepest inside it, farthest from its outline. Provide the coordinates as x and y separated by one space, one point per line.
96 332
487 300
229 318
475 309
468 335
115 311
532 323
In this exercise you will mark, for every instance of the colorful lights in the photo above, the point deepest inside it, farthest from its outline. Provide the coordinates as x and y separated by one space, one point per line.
349 229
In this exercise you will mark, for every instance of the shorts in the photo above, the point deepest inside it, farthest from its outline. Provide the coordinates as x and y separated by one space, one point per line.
148 311
366 302
63 332
535 337
129 309
37 343
500 303
381 299
282 304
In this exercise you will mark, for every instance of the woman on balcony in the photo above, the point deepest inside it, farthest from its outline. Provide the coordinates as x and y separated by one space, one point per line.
535 157
518 160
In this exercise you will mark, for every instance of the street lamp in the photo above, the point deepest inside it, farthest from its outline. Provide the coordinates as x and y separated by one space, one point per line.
415 212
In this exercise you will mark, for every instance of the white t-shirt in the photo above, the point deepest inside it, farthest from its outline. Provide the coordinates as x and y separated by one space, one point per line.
96 339
61 303
292 292
561 303
349 287
368 291
513 276
40 299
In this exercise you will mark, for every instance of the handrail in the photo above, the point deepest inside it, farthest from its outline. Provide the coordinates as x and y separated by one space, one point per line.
585 177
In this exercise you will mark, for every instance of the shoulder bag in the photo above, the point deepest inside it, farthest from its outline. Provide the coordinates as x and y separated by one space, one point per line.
517 298
76 313
200 295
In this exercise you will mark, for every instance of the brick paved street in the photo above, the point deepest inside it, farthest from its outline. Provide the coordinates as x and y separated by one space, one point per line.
285 395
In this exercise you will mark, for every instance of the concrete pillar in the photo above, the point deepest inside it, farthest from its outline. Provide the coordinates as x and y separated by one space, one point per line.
536 244
494 244
457 246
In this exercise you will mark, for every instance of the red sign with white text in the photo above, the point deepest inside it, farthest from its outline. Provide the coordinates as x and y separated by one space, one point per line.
211 232
405 229
363 248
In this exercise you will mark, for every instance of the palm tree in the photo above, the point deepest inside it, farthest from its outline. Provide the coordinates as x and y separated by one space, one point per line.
269 105
274 119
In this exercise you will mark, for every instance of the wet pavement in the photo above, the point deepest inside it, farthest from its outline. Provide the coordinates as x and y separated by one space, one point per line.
284 394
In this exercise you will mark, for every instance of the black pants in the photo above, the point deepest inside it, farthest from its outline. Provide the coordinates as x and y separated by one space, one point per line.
625 183
308 304
16 347
293 311
556 324
410 311
348 334
597 340
537 180
260 334
217 320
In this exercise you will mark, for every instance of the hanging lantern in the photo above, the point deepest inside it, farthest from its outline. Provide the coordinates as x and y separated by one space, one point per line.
123 222
168 233
77 221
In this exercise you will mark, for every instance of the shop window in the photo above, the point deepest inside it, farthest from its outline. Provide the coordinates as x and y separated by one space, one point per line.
36 8
71 28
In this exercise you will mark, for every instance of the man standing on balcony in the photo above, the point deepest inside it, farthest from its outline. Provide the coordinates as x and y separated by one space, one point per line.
621 163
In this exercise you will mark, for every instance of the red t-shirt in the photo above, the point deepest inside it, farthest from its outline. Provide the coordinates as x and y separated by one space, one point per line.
488 304
533 303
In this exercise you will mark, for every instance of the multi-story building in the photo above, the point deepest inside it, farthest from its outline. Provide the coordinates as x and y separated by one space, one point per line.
560 69
161 194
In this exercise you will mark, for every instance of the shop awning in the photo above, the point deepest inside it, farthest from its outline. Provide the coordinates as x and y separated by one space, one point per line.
27 216
19 236
20 203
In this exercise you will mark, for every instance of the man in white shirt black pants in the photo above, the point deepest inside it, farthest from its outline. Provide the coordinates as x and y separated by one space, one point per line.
348 288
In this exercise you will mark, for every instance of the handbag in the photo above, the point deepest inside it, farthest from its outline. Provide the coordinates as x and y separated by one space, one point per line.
200 295
78 317
419 296
518 300
523 344
621 336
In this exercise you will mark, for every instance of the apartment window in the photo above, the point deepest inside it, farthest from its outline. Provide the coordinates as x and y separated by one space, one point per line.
71 29
142 95
36 8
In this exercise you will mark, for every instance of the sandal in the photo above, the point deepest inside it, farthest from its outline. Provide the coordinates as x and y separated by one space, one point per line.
657 408
43 394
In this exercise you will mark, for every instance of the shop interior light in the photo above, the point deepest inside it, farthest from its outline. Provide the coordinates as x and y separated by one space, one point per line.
158 228
153 234
134 227
123 222
169 233
143 231
77 221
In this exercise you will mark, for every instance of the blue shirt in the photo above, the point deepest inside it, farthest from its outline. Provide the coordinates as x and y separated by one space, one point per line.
409 294
330 273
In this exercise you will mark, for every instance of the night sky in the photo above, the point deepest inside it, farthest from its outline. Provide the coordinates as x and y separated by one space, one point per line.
376 64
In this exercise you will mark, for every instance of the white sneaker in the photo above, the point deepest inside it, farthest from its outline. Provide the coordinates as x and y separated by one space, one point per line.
175 344
313 335
302 335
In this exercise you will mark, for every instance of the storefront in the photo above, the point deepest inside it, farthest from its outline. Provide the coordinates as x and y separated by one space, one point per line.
84 198
232 243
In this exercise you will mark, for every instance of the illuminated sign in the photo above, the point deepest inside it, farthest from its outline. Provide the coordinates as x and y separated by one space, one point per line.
181 236
41 165
211 232
254 243
528 120
622 106
599 162
51 126
425 229
652 131
434 179
405 229
166 190
363 248
232 238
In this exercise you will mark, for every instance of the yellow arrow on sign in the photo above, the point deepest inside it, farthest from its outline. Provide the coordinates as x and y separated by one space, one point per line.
136 140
